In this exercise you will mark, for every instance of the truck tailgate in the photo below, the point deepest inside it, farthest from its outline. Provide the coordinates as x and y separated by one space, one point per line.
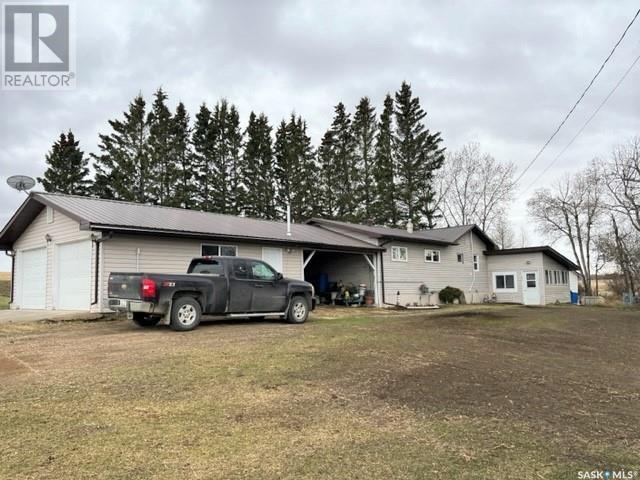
125 285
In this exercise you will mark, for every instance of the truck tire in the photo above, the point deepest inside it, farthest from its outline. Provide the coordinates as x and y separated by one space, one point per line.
298 310
185 314
145 320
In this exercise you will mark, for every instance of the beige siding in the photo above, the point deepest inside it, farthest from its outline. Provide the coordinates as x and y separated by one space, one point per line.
406 277
61 230
517 263
172 255
555 293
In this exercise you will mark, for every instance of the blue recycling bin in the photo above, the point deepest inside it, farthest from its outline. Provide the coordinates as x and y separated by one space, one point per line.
575 298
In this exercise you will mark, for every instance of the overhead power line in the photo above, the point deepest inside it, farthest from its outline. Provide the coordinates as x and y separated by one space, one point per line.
606 99
564 120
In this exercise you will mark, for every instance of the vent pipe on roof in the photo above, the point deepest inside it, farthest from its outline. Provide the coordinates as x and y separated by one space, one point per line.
410 226
288 220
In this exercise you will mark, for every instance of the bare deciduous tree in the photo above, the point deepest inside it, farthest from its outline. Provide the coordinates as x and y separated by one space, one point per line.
502 232
475 187
571 211
622 175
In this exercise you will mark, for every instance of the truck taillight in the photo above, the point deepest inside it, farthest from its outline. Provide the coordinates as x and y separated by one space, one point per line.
148 289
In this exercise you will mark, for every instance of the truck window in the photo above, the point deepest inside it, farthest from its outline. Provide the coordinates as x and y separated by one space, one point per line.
261 271
208 267
240 269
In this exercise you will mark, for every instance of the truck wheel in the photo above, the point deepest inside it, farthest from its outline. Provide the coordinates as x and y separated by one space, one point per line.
298 310
185 314
145 320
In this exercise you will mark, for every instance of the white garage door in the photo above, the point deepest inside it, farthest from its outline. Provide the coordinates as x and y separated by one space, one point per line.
33 278
73 276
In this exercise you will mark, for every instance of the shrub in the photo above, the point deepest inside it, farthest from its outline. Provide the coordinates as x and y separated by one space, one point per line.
449 294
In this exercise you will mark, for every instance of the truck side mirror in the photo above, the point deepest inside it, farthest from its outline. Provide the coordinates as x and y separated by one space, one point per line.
279 276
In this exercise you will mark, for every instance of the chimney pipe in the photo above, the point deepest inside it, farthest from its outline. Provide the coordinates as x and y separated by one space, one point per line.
410 226
288 220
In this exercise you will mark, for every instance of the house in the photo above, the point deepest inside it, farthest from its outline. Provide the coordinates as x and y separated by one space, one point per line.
63 248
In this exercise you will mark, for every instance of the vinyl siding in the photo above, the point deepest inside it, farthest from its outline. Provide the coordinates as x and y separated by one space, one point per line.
406 277
172 255
62 230
516 263
555 293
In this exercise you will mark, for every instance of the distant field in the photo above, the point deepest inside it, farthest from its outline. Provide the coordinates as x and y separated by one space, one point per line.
5 276
5 284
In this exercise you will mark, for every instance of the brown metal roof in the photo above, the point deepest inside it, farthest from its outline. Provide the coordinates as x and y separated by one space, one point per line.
438 236
546 249
112 215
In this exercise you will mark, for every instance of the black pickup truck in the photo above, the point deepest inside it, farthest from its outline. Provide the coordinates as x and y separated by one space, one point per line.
215 286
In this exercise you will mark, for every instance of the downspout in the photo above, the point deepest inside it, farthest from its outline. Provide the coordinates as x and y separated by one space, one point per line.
96 274
384 302
473 270
12 254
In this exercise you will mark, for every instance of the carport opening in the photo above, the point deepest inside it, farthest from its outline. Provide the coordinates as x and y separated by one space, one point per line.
341 278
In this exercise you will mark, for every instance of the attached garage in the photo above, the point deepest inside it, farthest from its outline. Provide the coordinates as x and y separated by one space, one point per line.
31 282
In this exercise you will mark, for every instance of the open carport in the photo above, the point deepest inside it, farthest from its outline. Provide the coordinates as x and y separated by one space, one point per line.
328 270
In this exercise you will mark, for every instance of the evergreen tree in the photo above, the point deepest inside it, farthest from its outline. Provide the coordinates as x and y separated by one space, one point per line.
295 169
345 163
385 211
122 167
181 152
67 167
258 175
162 161
327 205
364 132
417 155
231 138
203 160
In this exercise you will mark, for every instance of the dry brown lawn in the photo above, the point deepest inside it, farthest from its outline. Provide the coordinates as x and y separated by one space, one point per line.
464 392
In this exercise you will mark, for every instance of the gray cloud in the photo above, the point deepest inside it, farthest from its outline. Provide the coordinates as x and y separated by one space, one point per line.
503 73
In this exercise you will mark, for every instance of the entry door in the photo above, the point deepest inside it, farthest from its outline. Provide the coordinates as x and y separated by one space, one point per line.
73 276
530 288
273 256
33 278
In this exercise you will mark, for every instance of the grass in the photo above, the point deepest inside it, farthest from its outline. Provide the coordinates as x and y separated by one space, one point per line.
4 303
487 392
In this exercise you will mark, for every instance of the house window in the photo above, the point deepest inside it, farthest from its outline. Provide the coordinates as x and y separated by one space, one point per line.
565 278
432 256
476 263
546 277
555 277
504 282
461 258
399 254
209 250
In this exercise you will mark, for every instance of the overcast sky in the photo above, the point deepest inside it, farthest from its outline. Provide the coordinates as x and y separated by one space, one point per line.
500 73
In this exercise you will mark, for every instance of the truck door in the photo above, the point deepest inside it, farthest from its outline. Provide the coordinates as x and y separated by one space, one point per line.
240 287
269 293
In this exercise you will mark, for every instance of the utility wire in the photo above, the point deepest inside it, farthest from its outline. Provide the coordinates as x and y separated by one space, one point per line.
606 60
606 99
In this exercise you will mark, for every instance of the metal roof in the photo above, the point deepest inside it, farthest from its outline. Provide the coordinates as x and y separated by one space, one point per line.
118 216
546 249
438 236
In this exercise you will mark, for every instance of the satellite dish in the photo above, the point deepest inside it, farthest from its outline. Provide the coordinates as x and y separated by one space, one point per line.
22 183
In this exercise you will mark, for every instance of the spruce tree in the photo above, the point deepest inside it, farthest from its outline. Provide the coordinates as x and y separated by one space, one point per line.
364 132
231 137
67 168
258 174
384 205
162 161
203 160
122 166
417 155
327 204
295 169
344 160
181 152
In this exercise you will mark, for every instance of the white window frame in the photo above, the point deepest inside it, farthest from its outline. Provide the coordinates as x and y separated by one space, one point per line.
460 257
476 262
219 245
505 290
394 255
432 255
